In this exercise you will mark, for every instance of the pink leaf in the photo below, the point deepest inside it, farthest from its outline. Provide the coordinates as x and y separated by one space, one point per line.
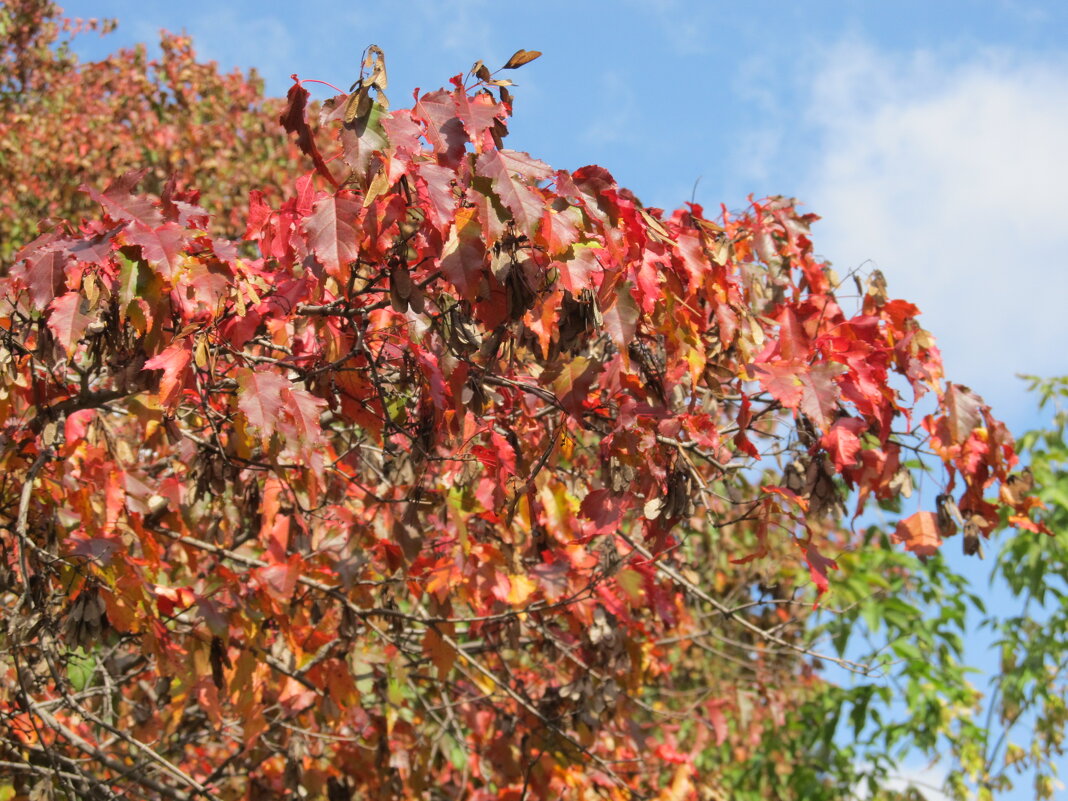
511 173
304 410
42 268
438 181
67 319
332 233
811 389
621 318
260 398
161 247
120 204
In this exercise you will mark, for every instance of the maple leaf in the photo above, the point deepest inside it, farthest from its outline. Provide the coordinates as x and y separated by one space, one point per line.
279 580
174 362
119 202
440 653
963 409
1026 523
789 495
818 565
511 173
576 270
332 233
304 410
811 389
68 319
161 247
438 181
520 589
919 533
478 114
571 381
294 121
782 380
42 268
444 130
793 342
403 134
842 441
261 398
463 256
552 578
604 509
362 142
621 318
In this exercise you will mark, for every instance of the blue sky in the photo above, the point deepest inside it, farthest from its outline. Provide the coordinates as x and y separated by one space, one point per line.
929 135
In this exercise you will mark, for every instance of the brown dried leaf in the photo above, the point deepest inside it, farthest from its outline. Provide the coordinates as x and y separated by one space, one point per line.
949 516
375 60
359 105
521 57
877 287
1017 487
972 530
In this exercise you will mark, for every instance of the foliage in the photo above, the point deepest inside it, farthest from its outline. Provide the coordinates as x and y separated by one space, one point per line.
479 479
911 622
1029 692
63 123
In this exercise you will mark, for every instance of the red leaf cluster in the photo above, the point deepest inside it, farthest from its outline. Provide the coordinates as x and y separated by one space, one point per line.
423 481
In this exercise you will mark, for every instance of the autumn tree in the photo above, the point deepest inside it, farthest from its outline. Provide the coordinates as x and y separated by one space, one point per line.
454 476
64 122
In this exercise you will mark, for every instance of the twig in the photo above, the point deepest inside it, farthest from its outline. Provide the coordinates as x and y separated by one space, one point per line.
91 750
689 586
22 521
526 705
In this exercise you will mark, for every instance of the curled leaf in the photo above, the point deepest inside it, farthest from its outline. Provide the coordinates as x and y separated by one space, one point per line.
521 57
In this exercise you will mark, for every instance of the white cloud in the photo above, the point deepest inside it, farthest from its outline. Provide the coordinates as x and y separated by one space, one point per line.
950 175
928 779
225 36
617 111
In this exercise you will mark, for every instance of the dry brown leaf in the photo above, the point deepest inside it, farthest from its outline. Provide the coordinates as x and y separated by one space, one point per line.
521 57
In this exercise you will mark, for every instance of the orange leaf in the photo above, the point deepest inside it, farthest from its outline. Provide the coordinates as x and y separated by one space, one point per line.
920 534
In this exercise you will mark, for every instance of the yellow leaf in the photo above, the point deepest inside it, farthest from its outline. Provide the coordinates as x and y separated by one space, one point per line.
522 588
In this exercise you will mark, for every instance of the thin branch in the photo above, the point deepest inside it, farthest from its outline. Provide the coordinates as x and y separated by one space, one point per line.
22 521
693 589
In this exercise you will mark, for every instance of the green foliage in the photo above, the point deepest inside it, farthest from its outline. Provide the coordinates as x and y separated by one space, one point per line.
1026 711
910 619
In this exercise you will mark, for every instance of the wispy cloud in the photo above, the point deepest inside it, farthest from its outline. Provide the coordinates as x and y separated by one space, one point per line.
224 35
949 174
616 118
683 25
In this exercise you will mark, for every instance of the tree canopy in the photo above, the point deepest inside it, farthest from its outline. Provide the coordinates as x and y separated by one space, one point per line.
446 473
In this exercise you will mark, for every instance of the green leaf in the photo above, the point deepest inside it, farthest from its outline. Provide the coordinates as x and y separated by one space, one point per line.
80 668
